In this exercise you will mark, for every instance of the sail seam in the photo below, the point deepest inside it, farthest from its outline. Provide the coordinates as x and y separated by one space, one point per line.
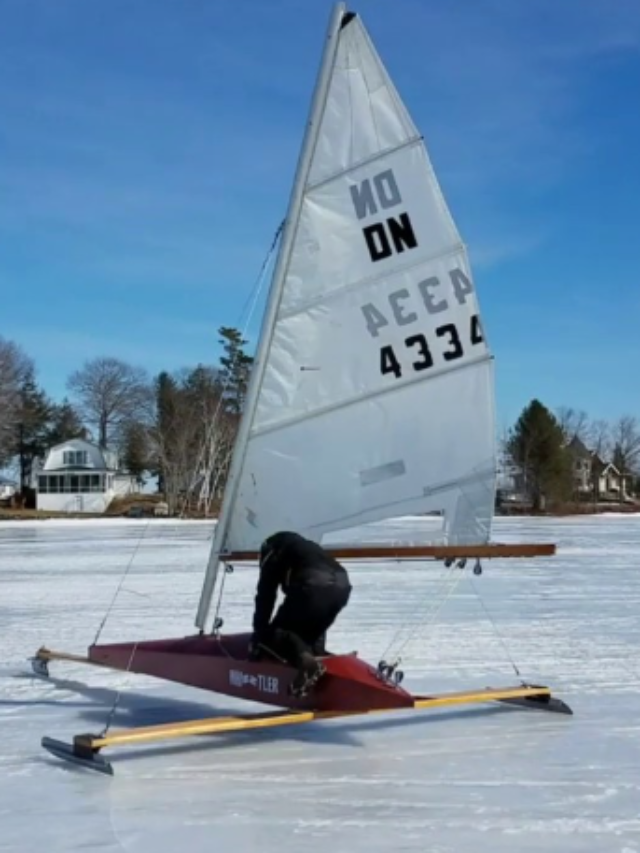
366 283
361 398
414 140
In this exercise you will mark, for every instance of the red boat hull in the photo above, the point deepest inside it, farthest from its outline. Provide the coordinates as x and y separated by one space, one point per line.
221 665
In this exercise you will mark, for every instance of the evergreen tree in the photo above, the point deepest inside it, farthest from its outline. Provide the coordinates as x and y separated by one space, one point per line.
135 450
33 415
15 368
236 368
537 446
65 423
167 412
202 387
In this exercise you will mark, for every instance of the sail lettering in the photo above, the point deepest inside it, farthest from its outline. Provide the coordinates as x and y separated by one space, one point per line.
374 319
395 300
392 235
433 305
386 193
448 342
382 235
461 285
404 306
418 345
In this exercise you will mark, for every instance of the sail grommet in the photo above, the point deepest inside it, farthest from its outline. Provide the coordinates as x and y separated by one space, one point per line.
462 562
228 568
477 569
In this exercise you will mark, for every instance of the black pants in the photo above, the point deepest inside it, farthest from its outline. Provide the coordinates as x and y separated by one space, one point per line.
299 627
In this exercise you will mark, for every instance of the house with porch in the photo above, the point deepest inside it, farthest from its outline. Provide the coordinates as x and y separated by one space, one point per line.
614 484
80 476
594 477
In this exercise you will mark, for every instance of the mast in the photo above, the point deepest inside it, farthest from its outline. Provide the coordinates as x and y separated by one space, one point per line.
279 275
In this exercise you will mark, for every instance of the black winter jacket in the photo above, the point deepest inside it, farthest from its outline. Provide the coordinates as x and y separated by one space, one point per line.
290 561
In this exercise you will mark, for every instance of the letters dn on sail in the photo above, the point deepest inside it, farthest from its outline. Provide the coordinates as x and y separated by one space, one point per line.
392 234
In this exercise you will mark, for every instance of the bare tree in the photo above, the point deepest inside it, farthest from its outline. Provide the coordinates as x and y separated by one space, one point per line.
15 367
192 438
573 423
172 446
216 458
175 438
111 394
599 441
626 448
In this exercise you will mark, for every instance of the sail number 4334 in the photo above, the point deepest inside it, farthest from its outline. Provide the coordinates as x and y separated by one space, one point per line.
418 346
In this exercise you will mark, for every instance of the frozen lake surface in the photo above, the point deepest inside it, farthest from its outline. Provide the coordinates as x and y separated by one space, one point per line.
482 779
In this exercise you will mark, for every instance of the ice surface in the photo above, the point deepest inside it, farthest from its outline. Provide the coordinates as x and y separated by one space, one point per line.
483 779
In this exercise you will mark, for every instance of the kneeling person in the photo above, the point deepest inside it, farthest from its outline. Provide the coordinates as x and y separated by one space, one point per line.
316 589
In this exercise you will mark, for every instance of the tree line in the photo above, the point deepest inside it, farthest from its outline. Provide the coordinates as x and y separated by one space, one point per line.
178 426
546 450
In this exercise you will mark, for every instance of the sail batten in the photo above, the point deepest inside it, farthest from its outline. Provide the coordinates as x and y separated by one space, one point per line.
368 161
344 404
362 284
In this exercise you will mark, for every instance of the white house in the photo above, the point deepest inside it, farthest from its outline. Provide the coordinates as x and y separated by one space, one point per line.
611 482
79 476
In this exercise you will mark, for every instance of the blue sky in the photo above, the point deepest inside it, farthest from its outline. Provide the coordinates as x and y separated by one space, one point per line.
147 149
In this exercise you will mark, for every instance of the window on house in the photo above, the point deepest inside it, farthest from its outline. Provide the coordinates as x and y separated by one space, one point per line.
75 457
57 484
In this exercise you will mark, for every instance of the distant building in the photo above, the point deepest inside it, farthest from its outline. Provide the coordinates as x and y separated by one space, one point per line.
594 476
79 476
7 489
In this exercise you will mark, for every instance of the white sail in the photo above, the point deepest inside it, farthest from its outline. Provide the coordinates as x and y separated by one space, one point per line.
375 397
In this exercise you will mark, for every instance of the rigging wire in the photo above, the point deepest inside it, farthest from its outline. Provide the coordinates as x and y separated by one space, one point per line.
114 705
116 700
122 580
409 625
448 584
249 307
446 587
503 642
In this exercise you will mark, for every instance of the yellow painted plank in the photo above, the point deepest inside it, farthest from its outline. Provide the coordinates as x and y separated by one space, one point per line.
221 725
45 654
208 725
472 697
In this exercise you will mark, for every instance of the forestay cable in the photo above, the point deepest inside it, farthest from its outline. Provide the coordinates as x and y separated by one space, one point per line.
249 307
